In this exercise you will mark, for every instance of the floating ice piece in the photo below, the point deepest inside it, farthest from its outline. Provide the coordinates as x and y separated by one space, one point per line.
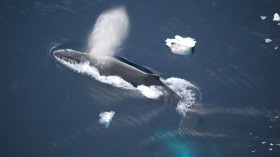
276 17
253 151
106 118
270 149
180 45
264 142
275 48
263 17
267 40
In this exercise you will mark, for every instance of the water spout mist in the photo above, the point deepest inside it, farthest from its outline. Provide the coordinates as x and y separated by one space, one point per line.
109 31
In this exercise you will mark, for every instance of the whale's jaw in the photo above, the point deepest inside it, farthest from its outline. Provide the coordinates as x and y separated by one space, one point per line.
70 56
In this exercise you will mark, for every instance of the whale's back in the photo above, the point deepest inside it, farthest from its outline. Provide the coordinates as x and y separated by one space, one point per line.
136 75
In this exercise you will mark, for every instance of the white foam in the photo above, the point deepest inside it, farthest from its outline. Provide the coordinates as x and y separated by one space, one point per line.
276 17
106 118
185 90
109 31
86 68
180 45
152 92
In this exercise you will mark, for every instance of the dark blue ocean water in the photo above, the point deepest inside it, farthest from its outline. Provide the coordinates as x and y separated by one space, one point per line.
48 110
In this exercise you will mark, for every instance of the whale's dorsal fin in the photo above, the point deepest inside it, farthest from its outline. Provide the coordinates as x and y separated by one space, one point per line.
156 76
141 68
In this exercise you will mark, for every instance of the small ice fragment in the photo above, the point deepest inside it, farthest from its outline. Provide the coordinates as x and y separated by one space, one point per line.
276 17
253 151
267 40
276 116
275 48
270 126
264 142
271 144
263 17
106 118
278 24
180 45
251 134
270 149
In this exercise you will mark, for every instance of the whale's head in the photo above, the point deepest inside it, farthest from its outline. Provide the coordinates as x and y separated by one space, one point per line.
70 56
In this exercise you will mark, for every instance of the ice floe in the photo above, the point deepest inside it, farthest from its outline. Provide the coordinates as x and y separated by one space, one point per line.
276 17
106 118
180 45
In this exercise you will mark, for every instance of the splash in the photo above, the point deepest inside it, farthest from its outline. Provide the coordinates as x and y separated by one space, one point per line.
189 93
152 92
110 30
86 68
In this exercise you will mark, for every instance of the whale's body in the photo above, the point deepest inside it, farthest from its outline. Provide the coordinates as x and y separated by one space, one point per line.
110 66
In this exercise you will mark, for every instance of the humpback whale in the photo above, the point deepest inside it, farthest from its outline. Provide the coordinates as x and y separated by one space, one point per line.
111 66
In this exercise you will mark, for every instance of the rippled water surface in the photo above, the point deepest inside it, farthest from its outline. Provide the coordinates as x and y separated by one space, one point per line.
48 109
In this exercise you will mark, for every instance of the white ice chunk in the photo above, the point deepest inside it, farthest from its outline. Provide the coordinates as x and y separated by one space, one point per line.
180 45
276 17
106 118
263 17
267 40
